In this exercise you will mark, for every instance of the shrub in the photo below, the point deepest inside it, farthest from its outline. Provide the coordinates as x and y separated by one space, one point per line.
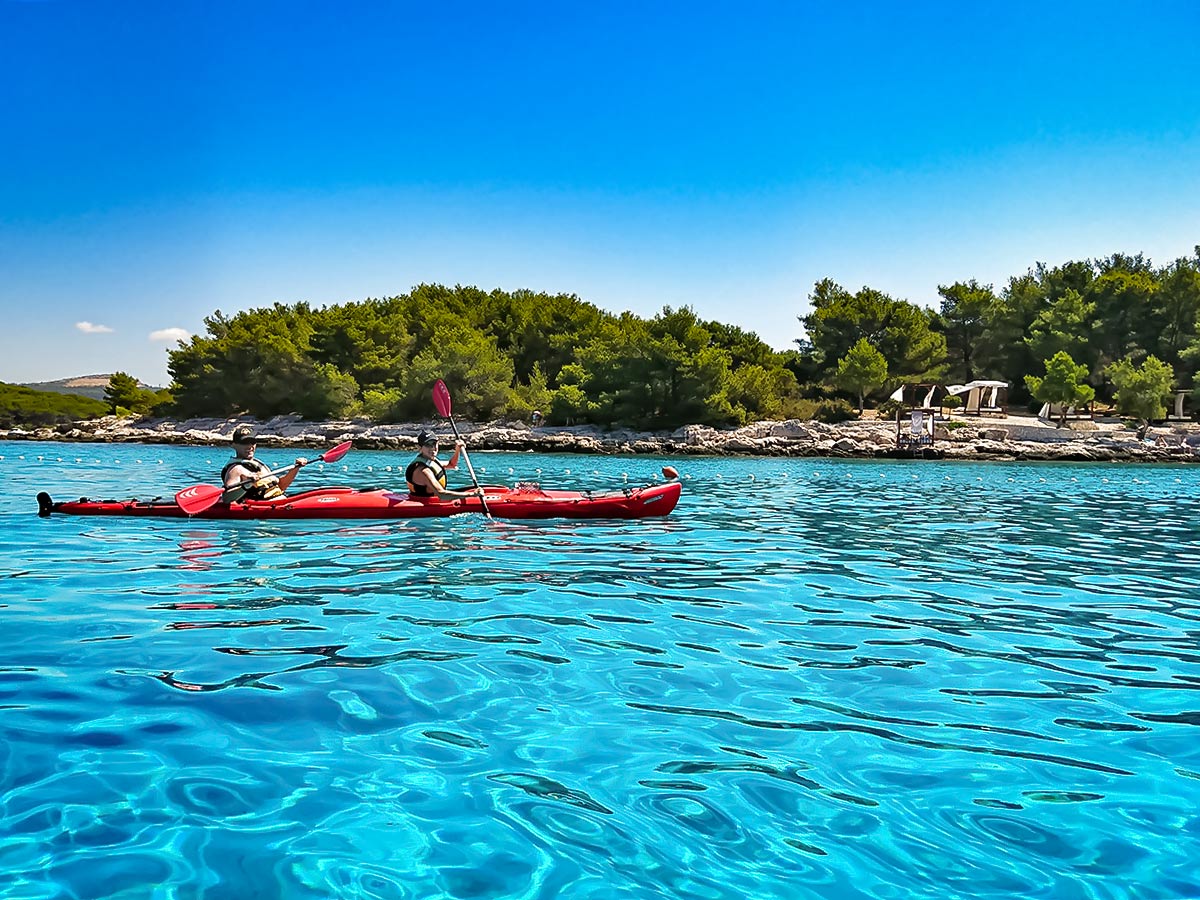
380 406
887 409
833 411
800 408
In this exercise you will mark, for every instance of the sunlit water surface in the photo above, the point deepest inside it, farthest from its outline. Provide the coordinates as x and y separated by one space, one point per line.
817 678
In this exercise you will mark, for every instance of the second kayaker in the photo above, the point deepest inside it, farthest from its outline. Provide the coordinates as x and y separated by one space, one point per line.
426 475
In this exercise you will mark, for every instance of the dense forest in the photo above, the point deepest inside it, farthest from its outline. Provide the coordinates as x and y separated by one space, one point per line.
1119 330
502 354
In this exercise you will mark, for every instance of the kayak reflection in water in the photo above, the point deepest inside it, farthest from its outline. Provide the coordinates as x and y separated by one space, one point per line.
246 478
426 475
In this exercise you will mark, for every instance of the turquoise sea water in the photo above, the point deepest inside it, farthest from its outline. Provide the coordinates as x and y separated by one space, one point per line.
816 678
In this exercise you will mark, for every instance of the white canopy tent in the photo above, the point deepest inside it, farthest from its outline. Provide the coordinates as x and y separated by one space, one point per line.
982 396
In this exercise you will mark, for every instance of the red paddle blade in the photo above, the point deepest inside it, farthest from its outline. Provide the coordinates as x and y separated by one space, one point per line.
441 398
337 452
198 498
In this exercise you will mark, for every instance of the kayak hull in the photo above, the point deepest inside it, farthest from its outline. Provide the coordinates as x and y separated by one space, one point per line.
348 503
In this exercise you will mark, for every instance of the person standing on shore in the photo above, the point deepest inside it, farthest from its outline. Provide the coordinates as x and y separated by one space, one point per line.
426 475
245 468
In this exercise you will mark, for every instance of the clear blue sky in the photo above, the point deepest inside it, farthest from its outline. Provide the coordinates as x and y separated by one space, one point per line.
164 160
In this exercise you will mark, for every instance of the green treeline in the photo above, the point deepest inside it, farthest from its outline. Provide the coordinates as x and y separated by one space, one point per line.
1099 312
1116 329
502 354
507 354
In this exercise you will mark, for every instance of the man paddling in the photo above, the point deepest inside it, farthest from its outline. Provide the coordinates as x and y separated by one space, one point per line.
243 476
426 475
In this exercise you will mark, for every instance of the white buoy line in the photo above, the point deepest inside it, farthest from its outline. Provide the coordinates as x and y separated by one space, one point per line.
539 472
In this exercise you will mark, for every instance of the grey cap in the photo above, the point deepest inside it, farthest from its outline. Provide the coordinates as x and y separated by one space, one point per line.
244 434
425 439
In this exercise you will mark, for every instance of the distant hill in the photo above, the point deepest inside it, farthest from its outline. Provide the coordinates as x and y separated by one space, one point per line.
20 405
83 385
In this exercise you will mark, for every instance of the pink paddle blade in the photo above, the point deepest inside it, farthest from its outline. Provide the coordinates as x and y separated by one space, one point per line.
441 398
337 452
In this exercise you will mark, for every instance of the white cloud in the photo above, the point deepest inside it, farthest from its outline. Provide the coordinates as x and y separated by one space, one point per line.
89 328
170 334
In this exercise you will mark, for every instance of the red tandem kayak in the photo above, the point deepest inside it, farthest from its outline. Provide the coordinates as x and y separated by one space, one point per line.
522 502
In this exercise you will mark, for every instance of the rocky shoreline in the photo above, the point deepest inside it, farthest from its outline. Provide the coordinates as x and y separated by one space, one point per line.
1011 438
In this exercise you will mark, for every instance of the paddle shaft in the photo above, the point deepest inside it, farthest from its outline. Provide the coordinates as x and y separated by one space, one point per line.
470 468
329 456
270 473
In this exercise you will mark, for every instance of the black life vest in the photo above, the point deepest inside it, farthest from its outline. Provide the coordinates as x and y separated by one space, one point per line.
267 489
419 489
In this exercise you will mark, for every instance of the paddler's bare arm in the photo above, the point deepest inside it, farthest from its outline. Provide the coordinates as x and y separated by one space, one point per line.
290 475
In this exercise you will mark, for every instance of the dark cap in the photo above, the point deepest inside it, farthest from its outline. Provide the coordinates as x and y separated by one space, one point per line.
425 439
244 434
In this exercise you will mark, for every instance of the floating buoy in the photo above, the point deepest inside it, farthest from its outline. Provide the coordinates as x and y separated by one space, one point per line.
670 472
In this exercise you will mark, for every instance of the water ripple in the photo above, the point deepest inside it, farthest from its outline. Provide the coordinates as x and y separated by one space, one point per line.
836 679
